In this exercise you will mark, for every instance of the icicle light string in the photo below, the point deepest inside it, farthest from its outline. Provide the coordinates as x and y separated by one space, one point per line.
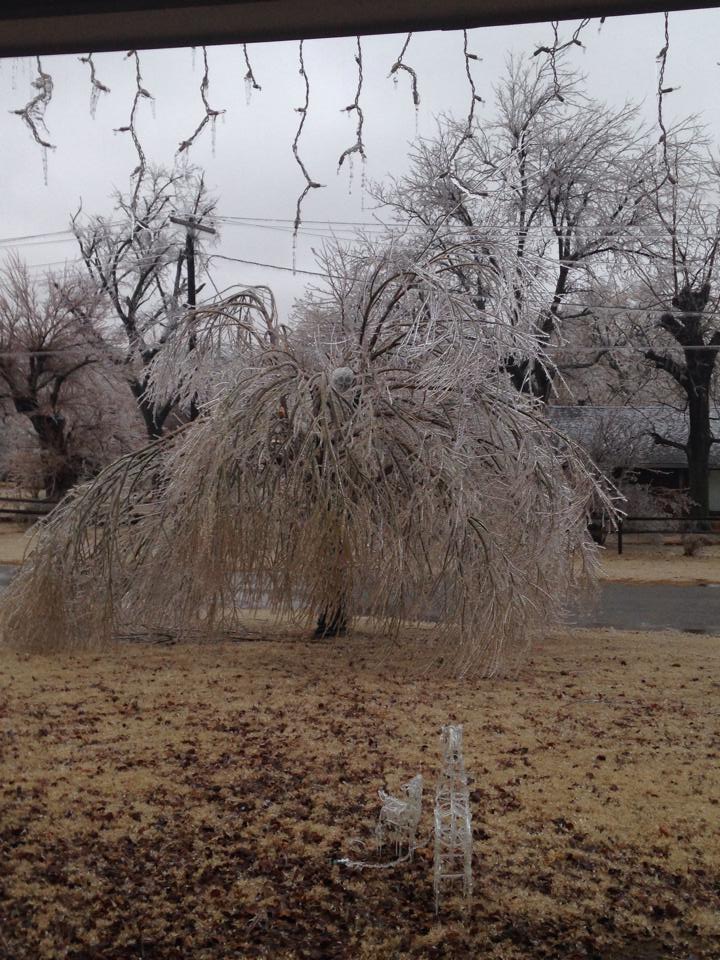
250 81
96 86
211 114
401 65
140 94
475 98
310 184
557 48
662 92
33 113
357 147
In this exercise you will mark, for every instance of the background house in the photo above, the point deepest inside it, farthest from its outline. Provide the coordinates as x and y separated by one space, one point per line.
620 440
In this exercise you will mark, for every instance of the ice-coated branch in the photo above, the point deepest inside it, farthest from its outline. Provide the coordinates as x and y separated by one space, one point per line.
33 113
310 184
401 65
211 114
358 147
96 86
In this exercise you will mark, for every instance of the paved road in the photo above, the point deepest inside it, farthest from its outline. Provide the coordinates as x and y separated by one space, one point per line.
656 606
628 606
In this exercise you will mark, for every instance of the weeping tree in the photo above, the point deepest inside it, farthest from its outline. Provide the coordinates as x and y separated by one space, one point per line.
373 459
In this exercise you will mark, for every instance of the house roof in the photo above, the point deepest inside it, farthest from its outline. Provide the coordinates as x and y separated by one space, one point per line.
623 436
75 26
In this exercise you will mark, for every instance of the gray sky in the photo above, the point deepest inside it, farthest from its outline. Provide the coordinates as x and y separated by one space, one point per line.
252 169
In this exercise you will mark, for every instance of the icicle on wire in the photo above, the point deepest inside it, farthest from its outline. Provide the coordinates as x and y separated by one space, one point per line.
475 98
401 65
310 184
250 81
357 147
211 115
662 91
33 113
96 86
558 47
140 94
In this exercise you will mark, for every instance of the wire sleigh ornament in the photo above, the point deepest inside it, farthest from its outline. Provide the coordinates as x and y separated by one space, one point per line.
400 816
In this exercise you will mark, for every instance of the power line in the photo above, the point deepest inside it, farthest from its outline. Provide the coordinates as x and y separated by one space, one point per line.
271 266
34 236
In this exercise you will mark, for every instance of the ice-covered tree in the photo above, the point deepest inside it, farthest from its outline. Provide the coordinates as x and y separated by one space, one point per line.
559 176
677 269
373 460
60 372
138 258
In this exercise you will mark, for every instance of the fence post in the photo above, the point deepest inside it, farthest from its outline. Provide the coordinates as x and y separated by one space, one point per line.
620 536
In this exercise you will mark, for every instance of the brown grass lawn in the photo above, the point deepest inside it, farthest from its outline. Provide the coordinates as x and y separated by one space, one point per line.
190 802
14 540
660 560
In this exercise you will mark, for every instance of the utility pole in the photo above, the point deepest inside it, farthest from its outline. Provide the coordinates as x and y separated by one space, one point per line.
192 225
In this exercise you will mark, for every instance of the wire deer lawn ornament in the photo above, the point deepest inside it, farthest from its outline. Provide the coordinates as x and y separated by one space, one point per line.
453 828
400 816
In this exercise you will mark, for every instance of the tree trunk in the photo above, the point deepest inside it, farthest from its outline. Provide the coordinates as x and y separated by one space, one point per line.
61 472
153 417
699 437
332 623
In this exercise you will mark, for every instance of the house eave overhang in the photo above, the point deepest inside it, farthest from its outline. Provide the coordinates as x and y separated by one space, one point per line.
78 26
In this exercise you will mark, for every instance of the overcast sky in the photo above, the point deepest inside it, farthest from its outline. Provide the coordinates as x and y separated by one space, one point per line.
252 169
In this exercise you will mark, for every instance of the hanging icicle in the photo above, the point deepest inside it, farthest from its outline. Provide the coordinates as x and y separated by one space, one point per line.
33 113
96 87
310 184
140 94
250 81
211 115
